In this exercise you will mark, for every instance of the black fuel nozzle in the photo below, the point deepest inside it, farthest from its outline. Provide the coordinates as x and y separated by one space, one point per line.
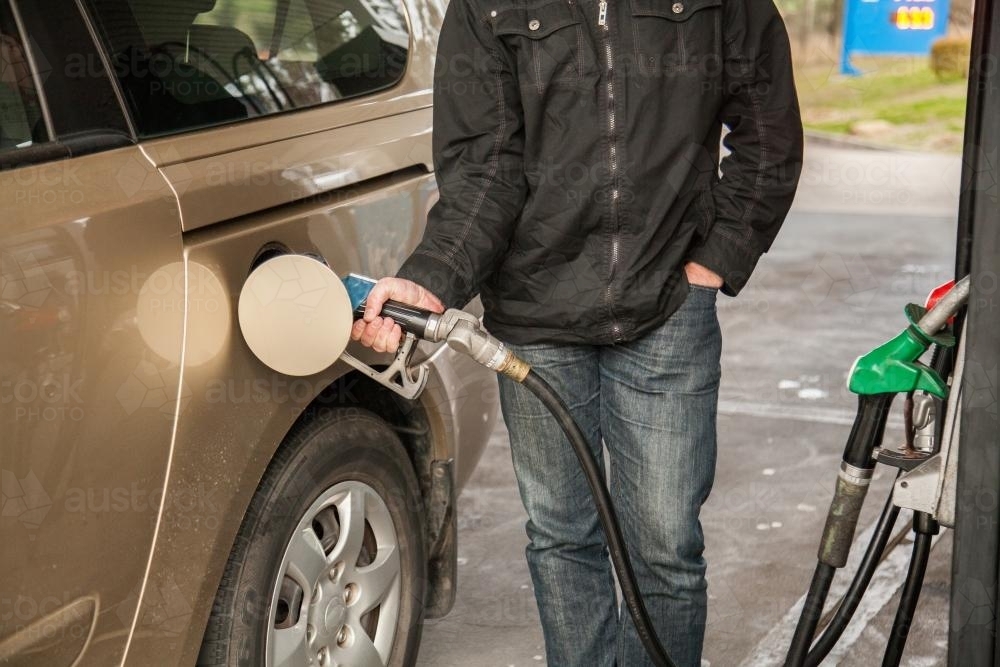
410 319
461 330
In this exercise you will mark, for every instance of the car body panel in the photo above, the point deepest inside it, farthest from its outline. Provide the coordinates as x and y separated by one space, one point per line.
229 185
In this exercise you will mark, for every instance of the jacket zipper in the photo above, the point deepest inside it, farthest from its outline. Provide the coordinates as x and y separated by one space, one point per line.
602 21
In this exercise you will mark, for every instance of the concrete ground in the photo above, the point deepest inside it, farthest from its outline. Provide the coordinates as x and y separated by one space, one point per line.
869 232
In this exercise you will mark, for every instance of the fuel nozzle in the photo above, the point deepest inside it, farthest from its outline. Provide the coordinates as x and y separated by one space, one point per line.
410 320
464 332
460 330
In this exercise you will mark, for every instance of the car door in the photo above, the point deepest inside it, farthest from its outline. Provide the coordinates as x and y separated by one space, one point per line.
88 238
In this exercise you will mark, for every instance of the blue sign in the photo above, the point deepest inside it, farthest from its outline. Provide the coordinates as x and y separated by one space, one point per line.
891 27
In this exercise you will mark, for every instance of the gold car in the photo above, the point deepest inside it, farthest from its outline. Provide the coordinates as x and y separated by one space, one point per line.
166 498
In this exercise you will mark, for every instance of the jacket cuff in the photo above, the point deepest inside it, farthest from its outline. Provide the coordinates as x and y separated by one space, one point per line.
730 259
438 277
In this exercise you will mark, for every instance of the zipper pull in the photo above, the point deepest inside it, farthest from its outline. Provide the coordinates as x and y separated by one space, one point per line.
602 15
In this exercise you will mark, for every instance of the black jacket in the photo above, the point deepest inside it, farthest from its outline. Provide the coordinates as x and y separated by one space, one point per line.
576 147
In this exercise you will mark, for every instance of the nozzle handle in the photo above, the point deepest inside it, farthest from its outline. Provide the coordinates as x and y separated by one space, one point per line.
410 319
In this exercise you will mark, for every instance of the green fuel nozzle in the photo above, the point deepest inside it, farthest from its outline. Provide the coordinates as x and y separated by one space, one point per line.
893 367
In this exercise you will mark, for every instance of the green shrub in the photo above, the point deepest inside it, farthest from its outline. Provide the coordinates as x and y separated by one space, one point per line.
950 57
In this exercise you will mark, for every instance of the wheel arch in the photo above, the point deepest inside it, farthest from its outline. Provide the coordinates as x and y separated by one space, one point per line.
427 429
409 419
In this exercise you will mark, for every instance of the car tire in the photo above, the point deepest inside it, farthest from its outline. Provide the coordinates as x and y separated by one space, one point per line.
344 468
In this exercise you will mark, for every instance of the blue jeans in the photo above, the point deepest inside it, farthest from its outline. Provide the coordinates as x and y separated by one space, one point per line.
653 404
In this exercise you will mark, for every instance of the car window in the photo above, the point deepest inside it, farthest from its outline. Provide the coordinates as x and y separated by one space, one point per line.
195 63
21 121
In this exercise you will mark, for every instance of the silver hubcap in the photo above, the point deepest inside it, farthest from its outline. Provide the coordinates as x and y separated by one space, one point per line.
336 598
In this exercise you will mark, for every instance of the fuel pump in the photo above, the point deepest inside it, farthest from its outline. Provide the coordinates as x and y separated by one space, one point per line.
926 464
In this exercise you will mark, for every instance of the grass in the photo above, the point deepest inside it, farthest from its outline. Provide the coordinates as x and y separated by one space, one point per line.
916 109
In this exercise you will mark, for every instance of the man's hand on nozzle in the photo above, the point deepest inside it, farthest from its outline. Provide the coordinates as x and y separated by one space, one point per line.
381 333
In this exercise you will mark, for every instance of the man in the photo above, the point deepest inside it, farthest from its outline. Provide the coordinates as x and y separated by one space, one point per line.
576 147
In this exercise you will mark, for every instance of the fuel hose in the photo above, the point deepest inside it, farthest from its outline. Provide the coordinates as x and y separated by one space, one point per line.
849 604
606 514
908 600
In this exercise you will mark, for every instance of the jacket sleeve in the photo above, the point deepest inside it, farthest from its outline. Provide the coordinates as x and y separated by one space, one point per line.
478 145
759 176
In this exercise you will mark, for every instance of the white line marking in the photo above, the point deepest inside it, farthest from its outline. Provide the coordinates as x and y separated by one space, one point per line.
772 648
806 413
888 579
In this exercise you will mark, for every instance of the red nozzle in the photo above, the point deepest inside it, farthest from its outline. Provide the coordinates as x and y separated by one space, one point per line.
936 294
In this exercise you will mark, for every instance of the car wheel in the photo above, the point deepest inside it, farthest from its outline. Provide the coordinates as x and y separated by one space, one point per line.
328 568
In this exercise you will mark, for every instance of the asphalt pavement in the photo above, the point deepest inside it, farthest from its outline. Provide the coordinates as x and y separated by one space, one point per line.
869 232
